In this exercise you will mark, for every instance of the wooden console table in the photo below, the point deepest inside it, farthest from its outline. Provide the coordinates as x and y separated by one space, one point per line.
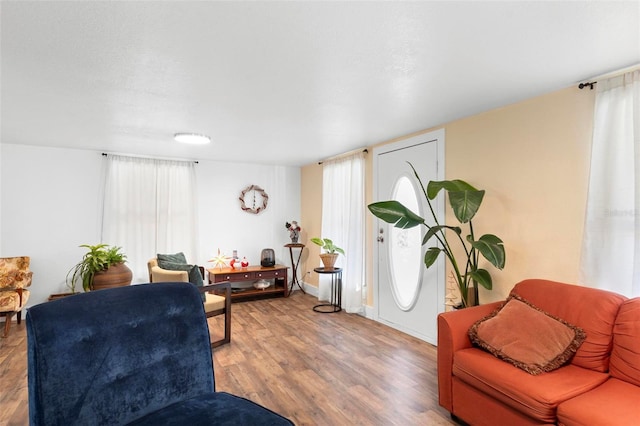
277 273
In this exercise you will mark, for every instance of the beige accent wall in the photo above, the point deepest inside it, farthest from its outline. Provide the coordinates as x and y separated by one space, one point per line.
532 158
310 221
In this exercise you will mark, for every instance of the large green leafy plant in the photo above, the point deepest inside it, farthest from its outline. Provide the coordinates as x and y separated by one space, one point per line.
465 200
98 258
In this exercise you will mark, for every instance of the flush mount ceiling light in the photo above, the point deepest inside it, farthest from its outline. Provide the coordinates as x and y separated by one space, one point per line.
192 138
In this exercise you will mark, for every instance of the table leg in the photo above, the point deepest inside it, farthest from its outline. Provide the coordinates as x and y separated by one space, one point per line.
339 289
335 303
294 270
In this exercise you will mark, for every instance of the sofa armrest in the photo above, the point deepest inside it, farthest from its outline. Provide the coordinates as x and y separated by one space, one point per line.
159 275
453 328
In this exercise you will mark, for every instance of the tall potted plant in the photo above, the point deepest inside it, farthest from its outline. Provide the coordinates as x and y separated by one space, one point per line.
101 267
331 251
465 200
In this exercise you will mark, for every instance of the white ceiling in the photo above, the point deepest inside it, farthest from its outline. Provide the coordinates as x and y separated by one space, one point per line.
287 83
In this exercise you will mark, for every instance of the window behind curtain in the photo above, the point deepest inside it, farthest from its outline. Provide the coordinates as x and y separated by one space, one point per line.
611 242
149 208
343 222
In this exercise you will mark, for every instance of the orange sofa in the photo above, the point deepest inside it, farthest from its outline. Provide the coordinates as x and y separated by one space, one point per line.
600 385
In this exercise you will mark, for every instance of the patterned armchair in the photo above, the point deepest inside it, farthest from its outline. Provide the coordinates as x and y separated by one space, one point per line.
15 277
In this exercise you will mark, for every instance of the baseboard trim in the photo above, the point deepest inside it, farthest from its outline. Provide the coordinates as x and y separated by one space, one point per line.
308 288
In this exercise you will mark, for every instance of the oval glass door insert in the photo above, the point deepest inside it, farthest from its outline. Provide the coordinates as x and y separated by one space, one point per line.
405 249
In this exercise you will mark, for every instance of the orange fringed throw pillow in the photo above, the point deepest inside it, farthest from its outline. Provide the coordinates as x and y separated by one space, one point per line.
527 337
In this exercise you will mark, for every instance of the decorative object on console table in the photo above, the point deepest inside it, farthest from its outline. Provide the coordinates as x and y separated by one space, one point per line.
261 284
220 260
268 257
335 304
330 255
294 265
277 273
235 260
465 201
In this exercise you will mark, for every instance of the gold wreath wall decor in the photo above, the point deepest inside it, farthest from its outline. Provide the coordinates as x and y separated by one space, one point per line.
253 190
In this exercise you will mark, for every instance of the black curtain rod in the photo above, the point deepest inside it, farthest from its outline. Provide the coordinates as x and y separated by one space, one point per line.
366 151
616 73
104 154
589 83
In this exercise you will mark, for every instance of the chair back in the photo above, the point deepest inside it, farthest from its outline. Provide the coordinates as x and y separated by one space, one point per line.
112 356
14 272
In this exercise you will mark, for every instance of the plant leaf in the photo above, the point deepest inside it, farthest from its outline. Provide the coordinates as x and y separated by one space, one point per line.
492 248
395 213
433 230
435 186
465 204
482 277
431 256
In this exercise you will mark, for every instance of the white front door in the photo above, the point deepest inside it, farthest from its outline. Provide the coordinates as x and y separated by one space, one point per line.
408 296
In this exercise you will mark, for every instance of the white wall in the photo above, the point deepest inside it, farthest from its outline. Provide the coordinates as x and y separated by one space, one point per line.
224 226
0 199
50 203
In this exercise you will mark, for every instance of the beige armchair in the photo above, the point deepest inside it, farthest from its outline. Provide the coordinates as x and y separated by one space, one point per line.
15 277
214 304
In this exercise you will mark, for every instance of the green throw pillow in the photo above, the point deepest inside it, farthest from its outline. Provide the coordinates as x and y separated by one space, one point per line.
175 258
195 277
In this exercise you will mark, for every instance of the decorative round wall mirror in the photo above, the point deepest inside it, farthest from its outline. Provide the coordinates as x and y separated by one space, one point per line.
253 199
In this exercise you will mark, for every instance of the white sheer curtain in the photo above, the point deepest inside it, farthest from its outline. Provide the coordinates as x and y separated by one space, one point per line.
611 242
343 222
149 208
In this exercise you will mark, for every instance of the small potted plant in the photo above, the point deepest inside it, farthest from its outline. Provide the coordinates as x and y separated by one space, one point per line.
331 251
101 267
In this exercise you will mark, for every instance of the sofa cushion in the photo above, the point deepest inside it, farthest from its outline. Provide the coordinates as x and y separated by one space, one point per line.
613 403
625 355
535 396
575 304
526 336
213 302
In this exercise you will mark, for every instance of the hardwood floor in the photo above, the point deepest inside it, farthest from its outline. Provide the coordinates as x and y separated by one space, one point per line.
315 369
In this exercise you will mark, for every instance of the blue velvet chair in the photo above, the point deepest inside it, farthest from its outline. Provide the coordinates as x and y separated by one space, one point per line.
135 355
